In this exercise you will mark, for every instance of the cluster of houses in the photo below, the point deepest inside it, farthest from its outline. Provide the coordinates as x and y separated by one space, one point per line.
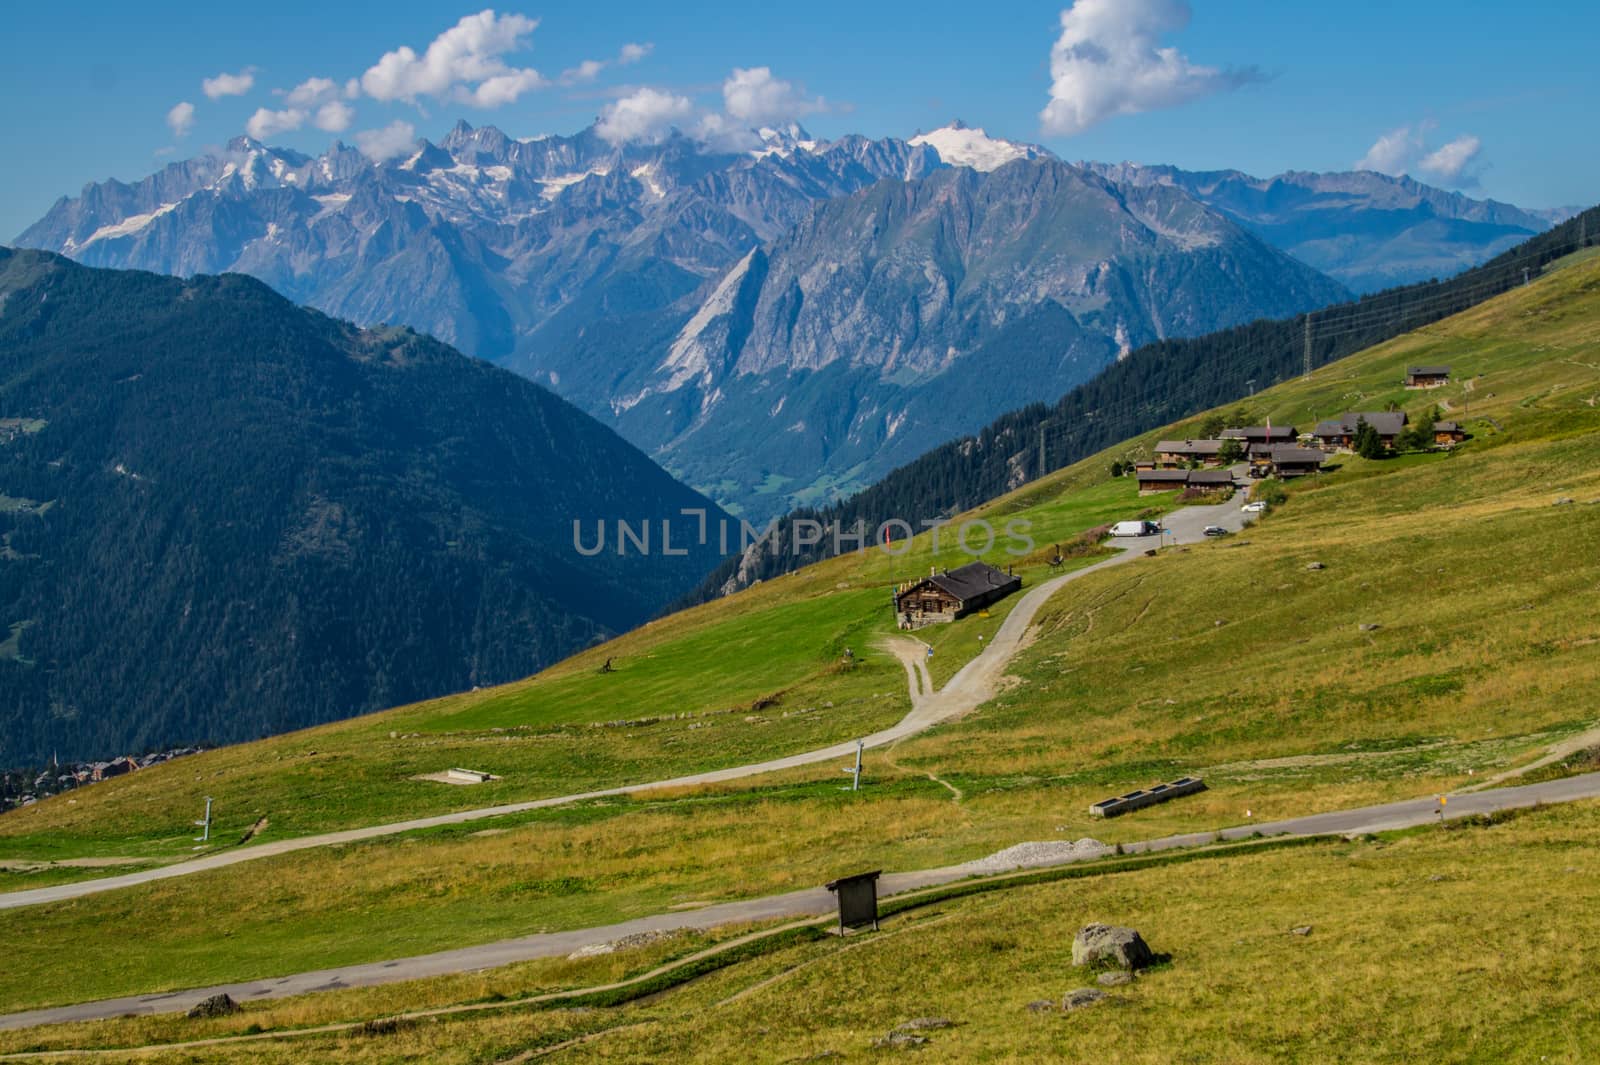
19 790
1282 450
944 595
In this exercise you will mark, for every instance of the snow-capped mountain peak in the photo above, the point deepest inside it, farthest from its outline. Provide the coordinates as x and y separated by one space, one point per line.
962 145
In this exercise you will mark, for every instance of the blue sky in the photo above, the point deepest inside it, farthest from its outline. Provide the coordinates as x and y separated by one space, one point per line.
1490 98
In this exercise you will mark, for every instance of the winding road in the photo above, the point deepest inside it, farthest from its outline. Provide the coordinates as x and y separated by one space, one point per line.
976 683
809 902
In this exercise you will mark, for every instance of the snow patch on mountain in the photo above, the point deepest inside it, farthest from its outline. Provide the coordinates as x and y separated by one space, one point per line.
960 145
555 186
127 227
688 355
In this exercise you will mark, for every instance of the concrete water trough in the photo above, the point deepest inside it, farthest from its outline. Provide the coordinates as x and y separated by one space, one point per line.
1138 800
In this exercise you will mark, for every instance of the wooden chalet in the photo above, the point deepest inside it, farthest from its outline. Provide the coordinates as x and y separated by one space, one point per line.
950 594
1161 480
1339 433
1254 435
1448 434
1178 454
1288 461
1209 480
1168 480
1427 376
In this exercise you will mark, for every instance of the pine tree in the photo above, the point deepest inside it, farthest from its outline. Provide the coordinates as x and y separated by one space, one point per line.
1368 444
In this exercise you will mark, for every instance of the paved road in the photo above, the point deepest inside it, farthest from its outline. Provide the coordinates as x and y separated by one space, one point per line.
815 901
974 685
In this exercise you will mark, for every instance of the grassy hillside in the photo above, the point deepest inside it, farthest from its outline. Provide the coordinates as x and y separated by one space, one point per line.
1419 949
1231 659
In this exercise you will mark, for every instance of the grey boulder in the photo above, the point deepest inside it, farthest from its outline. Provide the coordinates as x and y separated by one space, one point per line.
1111 947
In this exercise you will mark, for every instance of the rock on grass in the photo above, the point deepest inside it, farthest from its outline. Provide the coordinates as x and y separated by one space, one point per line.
1110 946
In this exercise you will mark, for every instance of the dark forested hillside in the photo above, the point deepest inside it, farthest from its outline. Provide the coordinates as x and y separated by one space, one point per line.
1157 384
225 516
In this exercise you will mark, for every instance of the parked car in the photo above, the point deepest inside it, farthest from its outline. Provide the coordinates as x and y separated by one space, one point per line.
1255 508
1135 528
1216 530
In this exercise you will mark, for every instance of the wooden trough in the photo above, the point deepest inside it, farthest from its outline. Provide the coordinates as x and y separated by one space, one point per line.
1138 800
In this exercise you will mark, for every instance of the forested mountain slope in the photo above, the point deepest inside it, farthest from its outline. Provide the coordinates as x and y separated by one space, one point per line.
225 516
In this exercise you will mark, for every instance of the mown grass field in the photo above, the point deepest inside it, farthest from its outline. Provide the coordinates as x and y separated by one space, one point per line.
1467 943
1230 659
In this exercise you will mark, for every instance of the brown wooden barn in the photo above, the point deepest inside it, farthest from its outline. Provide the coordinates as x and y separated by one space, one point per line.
1161 480
1177 454
1427 376
949 594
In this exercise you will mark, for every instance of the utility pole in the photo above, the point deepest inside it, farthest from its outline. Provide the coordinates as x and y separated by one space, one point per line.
855 783
1308 344
205 826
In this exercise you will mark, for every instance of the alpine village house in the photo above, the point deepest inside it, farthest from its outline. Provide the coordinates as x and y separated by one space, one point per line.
1427 376
945 595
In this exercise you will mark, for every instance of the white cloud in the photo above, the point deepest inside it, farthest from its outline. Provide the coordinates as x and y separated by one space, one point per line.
334 116
724 134
181 118
501 89
1405 150
379 145
1453 163
1395 151
585 71
229 84
1109 61
268 123
757 98
464 63
646 114
312 92
590 69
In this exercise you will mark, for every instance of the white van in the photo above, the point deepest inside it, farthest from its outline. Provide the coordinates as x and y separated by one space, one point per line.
1135 528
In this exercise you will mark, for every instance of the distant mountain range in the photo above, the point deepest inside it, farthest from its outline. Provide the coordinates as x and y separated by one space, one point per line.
782 325
1367 230
225 516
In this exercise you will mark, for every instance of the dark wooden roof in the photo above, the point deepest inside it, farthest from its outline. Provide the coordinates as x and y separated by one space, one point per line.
1164 476
1446 427
1386 422
973 579
1428 371
1210 477
1188 447
1263 434
1290 454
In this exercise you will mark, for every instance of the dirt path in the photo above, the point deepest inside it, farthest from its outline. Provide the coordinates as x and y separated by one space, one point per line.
975 684
1553 754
